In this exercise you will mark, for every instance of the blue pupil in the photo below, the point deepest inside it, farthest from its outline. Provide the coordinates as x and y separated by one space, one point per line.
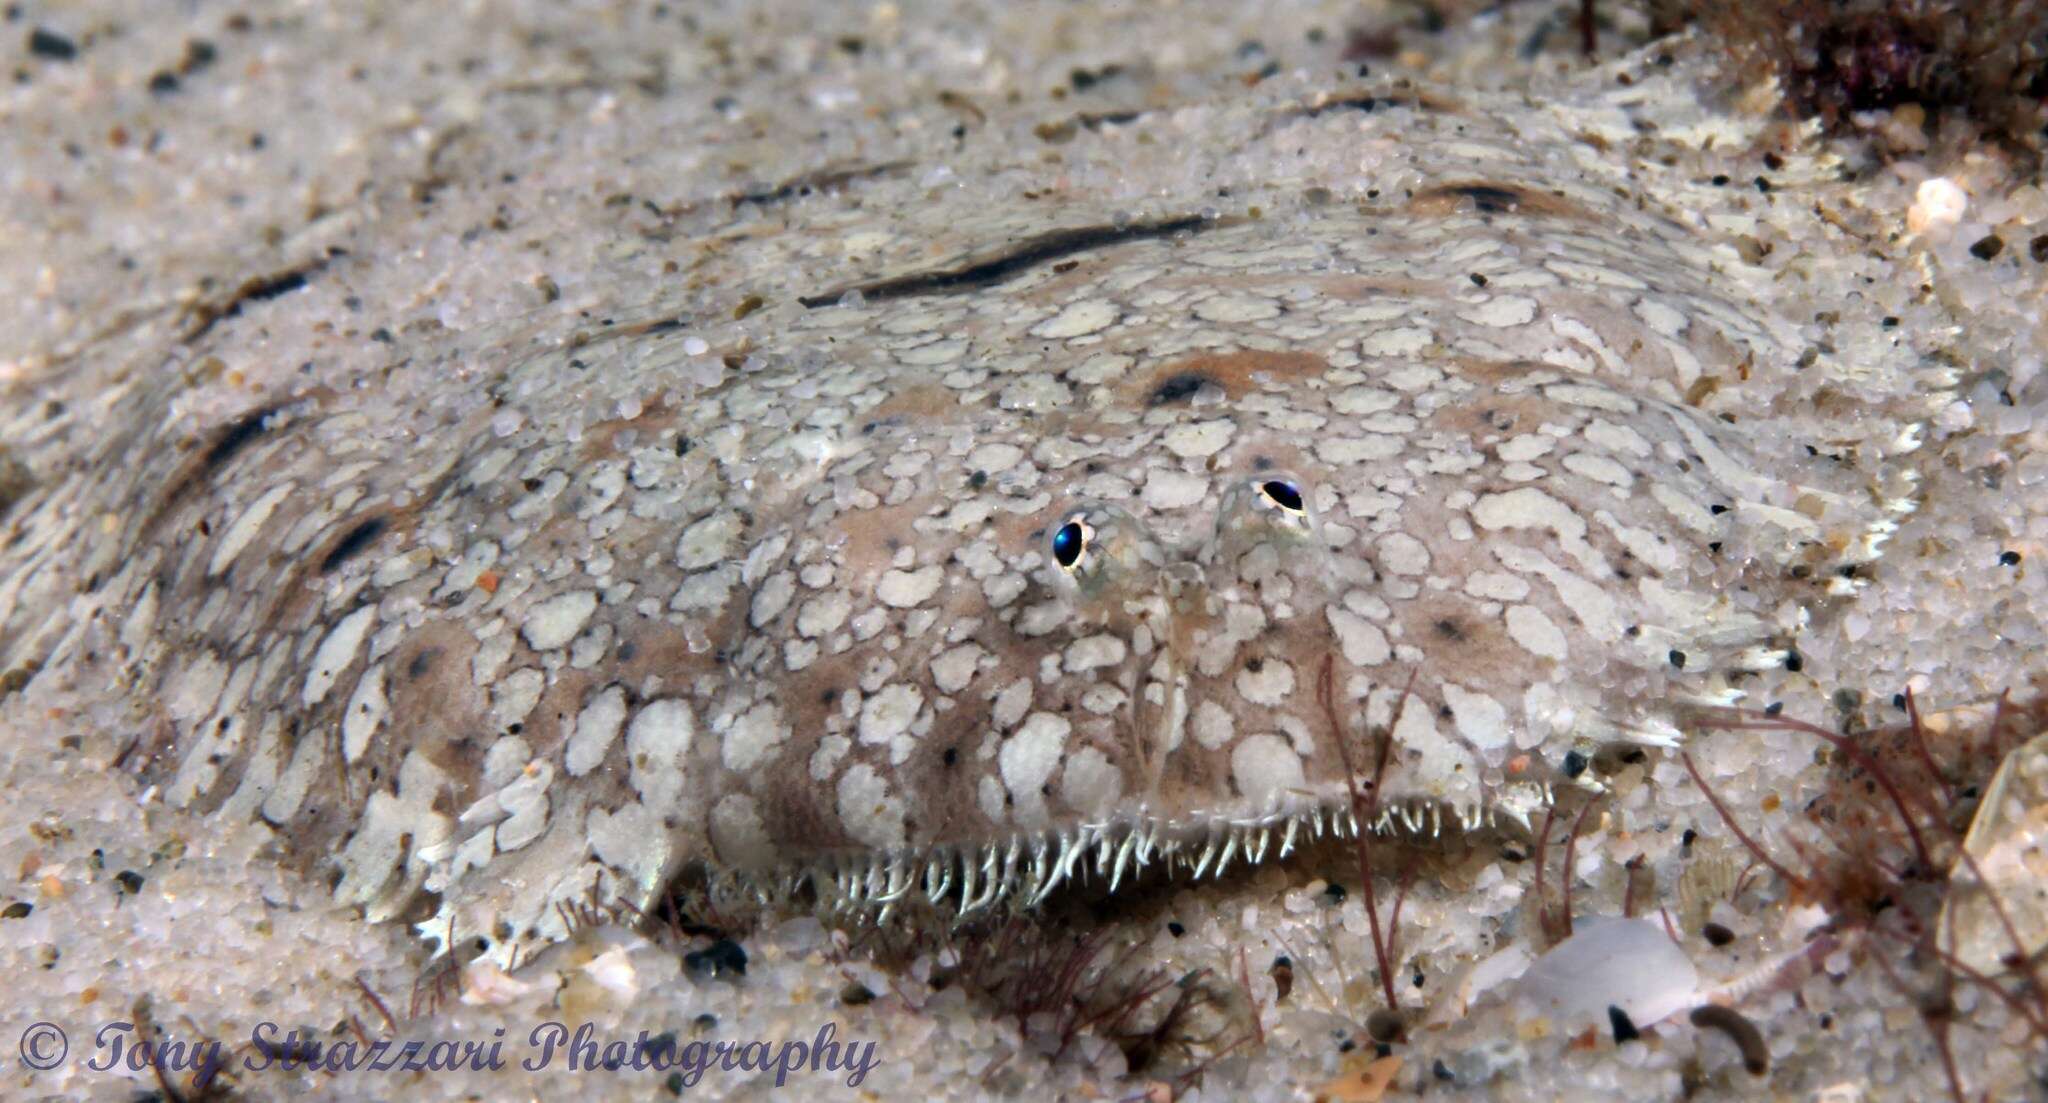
1284 494
1066 544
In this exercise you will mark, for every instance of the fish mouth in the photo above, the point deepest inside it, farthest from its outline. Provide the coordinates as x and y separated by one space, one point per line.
1021 871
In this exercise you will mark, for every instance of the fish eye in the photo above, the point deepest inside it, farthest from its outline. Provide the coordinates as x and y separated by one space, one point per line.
1070 543
1284 494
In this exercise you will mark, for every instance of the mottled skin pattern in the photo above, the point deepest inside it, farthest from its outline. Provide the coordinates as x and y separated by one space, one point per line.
800 618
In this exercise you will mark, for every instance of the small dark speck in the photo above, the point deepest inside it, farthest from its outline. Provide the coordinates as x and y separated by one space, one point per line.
163 83
2038 249
1899 701
1717 509
1334 893
1890 321
1987 247
1720 180
1774 708
1794 662
1677 658
1174 928
50 45
1624 1027
952 756
1717 935
2008 559
383 335
1763 185
1574 764
17 910
130 880
1773 162
978 480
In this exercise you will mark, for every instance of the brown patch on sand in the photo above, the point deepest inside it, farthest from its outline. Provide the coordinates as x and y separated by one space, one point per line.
913 403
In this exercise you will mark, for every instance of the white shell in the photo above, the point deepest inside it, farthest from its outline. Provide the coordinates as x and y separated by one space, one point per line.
1607 962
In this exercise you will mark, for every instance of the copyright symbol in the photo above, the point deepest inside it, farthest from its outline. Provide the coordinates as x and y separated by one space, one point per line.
43 1046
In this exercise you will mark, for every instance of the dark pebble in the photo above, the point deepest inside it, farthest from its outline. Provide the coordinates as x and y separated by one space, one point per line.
1988 247
856 994
51 46
718 959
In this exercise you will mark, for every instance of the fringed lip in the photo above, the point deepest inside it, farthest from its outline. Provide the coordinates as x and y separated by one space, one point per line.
1025 869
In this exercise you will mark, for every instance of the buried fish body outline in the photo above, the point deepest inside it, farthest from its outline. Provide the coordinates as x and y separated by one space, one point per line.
958 584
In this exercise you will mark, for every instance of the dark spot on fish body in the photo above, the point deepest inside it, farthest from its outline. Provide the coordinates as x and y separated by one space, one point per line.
1177 388
353 542
422 663
237 436
1490 200
1028 254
